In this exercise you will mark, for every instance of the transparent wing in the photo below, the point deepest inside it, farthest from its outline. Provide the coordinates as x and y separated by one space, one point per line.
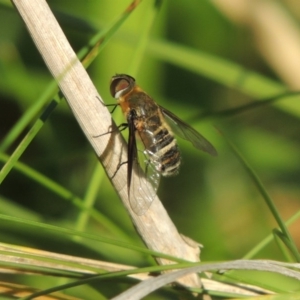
188 133
140 192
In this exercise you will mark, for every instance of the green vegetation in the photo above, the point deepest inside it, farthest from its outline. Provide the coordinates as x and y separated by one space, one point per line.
206 68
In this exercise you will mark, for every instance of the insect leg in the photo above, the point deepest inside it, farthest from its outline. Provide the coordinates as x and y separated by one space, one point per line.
118 167
115 105
121 127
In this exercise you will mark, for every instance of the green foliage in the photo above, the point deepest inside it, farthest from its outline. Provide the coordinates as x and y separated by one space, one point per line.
196 63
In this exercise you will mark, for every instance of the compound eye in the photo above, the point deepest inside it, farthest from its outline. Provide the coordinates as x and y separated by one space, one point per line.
120 85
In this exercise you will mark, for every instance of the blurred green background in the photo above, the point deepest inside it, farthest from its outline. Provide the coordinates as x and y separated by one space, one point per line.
212 200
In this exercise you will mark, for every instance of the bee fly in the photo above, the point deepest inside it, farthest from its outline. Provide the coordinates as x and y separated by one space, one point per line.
146 120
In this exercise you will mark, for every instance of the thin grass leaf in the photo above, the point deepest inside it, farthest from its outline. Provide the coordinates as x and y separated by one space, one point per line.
26 141
100 40
85 54
66 195
15 290
98 238
28 116
222 71
144 37
284 244
267 200
253 252
216 68
90 198
145 288
249 106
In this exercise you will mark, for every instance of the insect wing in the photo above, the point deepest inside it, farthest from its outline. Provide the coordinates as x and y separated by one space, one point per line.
140 192
188 133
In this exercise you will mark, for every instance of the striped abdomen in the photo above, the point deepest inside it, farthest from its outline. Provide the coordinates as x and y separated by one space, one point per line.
160 145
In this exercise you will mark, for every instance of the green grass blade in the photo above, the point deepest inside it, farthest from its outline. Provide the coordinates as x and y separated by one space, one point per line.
254 251
26 141
216 68
67 196
267 200
103 36
245 108
142 45
28 116
89 236
100 40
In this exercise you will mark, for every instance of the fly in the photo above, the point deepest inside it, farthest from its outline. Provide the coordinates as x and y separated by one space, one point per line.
151 123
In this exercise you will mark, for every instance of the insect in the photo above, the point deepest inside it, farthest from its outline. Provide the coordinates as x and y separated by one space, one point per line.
154 126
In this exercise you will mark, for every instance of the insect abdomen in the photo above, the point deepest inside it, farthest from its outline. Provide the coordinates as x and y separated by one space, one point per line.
165 152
